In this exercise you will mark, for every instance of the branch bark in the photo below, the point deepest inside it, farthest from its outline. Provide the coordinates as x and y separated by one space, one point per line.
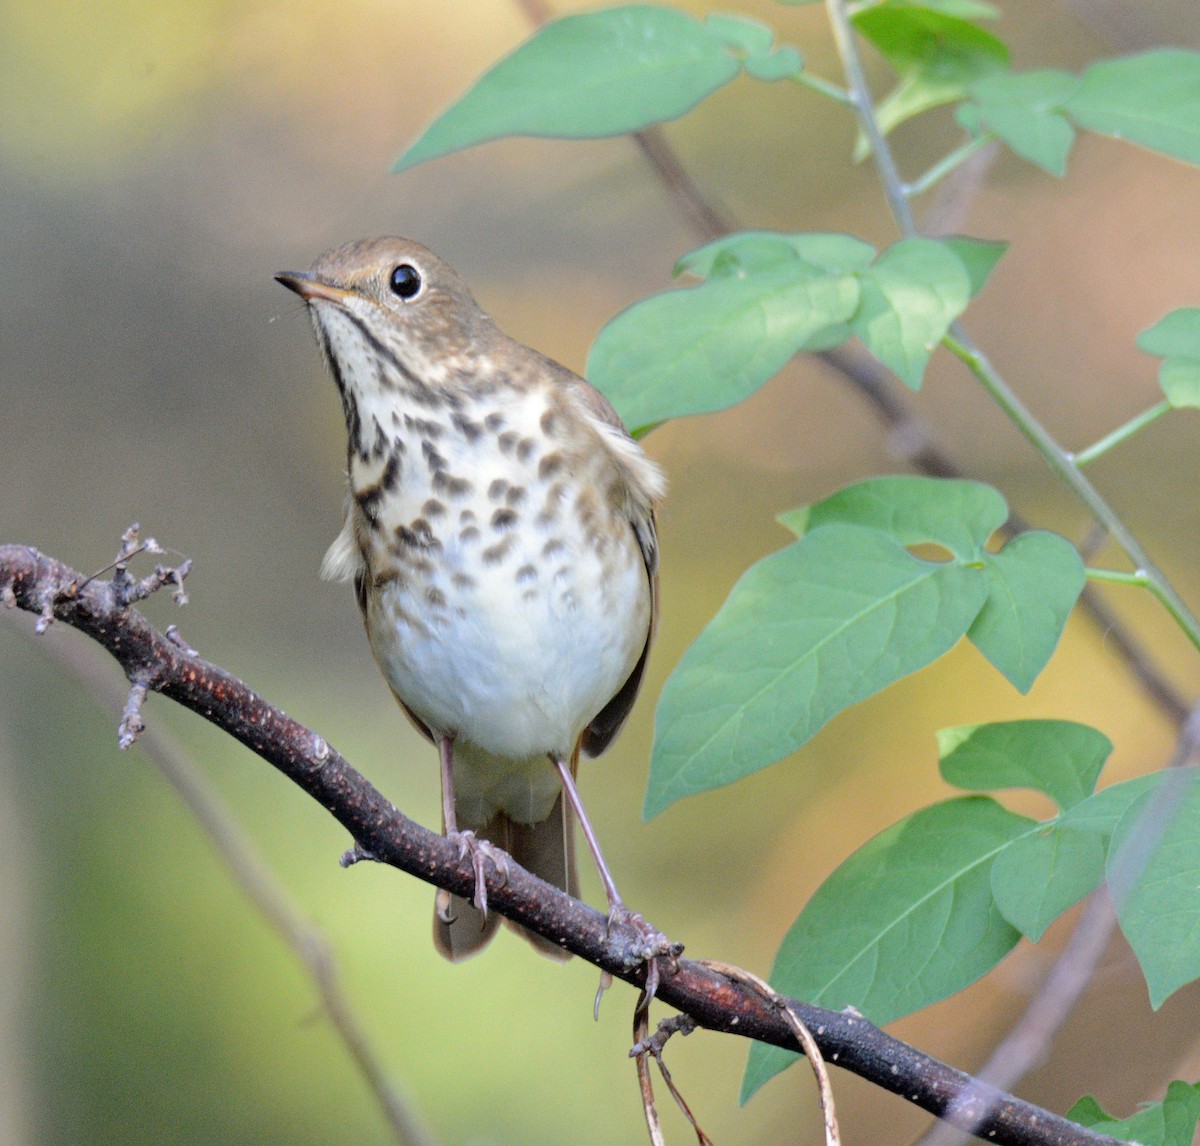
52 590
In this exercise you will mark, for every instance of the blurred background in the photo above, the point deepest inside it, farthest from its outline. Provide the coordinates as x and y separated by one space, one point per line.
158 163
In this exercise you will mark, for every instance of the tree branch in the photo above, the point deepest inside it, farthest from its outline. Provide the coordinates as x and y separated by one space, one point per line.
54 591
88 665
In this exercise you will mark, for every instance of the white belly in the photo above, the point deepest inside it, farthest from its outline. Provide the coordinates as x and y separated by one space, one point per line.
511 624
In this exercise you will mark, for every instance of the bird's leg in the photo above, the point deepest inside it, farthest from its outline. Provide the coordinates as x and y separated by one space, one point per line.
468 845
650 941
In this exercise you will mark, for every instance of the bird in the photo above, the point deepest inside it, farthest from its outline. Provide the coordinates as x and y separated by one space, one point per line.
500 531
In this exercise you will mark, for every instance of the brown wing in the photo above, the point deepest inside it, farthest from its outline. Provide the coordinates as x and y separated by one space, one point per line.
607 723
645 486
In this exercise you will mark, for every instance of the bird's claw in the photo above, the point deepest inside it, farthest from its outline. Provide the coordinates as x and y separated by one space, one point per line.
648 946
480 851
648 942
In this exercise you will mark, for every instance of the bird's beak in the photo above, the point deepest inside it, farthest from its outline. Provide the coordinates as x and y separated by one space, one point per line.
309 287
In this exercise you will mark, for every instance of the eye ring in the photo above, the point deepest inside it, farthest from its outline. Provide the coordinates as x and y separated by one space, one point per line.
406 282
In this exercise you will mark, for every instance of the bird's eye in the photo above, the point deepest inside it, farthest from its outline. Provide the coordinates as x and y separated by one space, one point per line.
406 281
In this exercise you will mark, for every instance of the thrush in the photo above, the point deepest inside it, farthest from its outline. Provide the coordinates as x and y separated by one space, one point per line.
499 529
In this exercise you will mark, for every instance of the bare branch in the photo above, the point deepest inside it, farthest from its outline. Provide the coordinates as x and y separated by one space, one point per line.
132 725
31 581
90 667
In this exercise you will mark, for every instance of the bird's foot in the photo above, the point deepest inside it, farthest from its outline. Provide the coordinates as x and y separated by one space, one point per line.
480 851
648 942
648 946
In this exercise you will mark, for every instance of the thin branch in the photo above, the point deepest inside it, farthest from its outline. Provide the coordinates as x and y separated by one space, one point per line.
804 1037
949 208
1027 1044
704 216
948 164
856 78
1121 433
91 669
960 344
30 581
646 1047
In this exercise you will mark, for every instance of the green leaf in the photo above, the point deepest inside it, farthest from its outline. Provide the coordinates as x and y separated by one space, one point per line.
959 515
910 296
936 53
805 633
1035 581
1176 338
746 35
1154 874
908 919
1175 335
582 77
756 40
1171 1122
964 9
1058 757
703 349
754 250
978 256
776 65
1039 876
1102 811
1025 110
1152 99
767 296
1180 382
944 45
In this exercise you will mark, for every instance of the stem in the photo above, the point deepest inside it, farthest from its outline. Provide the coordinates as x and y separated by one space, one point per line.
1117 577
860 94
823 87
1061 462
1085 457
959 343
944 166
1142 579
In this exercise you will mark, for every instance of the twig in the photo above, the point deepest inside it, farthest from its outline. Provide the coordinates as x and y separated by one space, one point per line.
803 1036
132 725
90 668
644 1048
704 216
960 344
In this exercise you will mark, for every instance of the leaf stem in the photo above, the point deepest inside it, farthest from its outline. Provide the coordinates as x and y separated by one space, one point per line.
1117 576
948 163
1063 464
959 343
1141 579
823 87
1085 457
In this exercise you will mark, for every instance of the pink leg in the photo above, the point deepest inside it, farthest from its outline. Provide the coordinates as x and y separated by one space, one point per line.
446 756
576 802
650 942
468 845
